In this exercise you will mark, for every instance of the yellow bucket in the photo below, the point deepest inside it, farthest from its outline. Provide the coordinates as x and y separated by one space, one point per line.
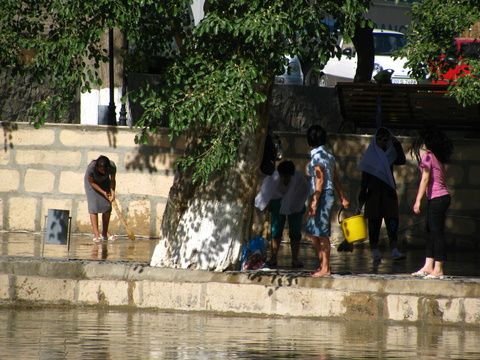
354 228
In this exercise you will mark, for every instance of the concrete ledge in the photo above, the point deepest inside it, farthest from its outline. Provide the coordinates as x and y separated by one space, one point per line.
399 298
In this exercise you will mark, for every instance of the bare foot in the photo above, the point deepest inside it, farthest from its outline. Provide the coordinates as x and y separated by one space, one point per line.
321 273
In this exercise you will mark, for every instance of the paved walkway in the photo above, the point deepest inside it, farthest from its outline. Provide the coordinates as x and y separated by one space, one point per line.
117 274
460 264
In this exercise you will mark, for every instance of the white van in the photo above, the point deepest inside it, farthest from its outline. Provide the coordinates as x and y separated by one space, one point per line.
386 42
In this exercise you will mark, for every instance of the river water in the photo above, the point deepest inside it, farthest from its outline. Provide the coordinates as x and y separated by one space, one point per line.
85 333
91 333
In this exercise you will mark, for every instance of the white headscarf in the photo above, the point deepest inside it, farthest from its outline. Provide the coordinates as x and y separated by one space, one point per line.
293 195
378 163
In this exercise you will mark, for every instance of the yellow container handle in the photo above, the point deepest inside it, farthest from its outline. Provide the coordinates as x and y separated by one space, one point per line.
339 212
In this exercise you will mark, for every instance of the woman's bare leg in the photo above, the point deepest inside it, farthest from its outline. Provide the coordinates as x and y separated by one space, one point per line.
94 222
438 268
318 253
428 267
322 246
105 222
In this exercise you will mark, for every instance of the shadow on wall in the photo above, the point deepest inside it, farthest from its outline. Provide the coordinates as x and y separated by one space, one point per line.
8 128
112 133
211 228
158 155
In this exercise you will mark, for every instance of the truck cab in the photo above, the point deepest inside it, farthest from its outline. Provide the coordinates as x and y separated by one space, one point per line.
454 62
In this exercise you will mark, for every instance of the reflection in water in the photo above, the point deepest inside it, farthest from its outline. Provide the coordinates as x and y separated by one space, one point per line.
106 334
99 251
81 247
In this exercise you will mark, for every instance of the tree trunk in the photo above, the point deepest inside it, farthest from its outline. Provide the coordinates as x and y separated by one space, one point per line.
363 42
204 227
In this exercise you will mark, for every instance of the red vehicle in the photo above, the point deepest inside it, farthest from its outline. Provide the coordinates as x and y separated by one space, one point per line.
453 64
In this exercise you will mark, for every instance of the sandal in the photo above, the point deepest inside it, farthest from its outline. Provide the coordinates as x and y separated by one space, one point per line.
419 273
431 276
98 239
112 238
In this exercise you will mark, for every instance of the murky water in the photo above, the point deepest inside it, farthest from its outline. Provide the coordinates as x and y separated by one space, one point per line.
105 334
85 333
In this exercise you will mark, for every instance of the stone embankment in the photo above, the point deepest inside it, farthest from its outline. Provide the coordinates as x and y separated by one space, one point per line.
400 298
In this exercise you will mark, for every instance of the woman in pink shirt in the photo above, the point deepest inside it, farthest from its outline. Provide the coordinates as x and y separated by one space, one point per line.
436 151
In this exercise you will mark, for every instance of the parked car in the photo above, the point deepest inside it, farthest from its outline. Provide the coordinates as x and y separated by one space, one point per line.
452 64
386 42
293 74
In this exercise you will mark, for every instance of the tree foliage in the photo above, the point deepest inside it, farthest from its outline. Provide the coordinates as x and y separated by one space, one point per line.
54 40
218 72
224 70
435 24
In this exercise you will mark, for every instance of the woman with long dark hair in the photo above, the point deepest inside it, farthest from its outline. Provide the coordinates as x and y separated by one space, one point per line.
433 149
100 183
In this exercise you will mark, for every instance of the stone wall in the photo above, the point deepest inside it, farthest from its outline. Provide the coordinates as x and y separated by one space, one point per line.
396 298
463 221
296 108
44 168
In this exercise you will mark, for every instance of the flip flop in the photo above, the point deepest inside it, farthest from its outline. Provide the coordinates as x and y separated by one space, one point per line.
419 273
430 276
112 238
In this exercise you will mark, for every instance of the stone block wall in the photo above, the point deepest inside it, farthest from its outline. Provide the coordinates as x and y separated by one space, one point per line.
463 220
43 169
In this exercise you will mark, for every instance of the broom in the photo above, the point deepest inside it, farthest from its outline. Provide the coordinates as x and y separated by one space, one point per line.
130 233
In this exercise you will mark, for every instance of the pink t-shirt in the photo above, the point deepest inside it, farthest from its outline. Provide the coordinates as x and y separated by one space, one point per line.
437 185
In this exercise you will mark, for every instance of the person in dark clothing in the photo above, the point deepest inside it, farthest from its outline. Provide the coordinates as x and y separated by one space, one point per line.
271 153
378 190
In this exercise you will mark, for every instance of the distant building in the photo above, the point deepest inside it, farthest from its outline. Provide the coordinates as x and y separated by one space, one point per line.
387 14
391 14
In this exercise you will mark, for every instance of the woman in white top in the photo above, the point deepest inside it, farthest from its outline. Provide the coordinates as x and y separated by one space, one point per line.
284 194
